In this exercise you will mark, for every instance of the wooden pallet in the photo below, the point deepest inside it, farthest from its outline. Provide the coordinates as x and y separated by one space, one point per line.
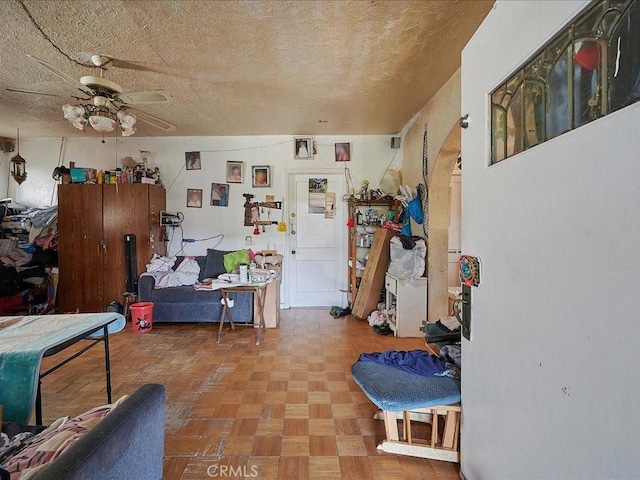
446 448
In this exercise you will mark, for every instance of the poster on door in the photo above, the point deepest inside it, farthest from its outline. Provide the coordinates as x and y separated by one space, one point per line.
330 205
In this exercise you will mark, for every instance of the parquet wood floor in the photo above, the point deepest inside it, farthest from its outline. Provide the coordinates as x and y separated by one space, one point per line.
287 409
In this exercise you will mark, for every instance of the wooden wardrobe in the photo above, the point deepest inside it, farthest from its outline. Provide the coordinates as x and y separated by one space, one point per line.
92 222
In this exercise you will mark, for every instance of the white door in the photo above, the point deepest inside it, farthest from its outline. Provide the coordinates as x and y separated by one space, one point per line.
317 244
553 360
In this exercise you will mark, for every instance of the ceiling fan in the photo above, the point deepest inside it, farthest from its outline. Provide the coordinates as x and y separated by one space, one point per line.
104 103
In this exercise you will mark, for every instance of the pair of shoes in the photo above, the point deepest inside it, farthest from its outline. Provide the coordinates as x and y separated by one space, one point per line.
337 312
383 329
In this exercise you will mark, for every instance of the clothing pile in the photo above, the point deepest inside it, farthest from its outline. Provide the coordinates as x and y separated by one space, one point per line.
27 254
420 362
160 267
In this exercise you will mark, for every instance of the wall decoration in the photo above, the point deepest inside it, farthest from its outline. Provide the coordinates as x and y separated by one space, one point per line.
235 172
220 194
194 197
469 270
192 160
343 152
261 176
303 148
260 213
330 205
317 195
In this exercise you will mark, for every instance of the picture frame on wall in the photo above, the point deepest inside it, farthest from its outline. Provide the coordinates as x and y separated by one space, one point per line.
194 197
303 148
220 194
235 172
192 160
343 152
261 176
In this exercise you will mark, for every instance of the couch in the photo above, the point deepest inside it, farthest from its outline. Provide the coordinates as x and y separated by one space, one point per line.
127 444
185 304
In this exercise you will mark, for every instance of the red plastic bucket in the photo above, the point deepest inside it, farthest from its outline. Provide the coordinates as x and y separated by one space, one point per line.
142 316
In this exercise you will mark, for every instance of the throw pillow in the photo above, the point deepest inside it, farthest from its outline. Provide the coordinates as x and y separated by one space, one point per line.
233 259
214 265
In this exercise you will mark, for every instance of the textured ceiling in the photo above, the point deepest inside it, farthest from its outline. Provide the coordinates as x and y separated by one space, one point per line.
237 67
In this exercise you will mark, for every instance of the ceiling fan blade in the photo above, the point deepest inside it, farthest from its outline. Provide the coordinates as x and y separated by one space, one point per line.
62 75
144 97
120 63
154 121
33 92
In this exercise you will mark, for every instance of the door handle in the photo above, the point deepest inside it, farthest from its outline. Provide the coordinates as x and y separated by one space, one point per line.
293 252
465 302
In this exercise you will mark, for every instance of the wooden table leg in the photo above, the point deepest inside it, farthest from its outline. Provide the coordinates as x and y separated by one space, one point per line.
260 298
225 310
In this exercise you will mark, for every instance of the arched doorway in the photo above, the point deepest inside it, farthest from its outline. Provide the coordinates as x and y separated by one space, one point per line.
439 205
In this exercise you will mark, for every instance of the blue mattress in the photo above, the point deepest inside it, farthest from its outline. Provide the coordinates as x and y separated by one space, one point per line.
393 390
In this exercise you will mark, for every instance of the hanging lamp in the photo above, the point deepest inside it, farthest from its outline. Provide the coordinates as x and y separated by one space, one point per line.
18 165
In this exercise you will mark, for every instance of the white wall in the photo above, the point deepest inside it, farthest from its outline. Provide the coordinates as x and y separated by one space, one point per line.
550 385
370 156
4 174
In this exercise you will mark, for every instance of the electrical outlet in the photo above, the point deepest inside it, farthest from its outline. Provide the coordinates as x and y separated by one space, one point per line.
248 240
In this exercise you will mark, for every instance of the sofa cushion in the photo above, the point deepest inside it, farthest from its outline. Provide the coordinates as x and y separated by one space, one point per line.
214 264
184 294
233 259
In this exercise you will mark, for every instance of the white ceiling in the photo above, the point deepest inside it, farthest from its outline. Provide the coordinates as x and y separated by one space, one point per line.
237 67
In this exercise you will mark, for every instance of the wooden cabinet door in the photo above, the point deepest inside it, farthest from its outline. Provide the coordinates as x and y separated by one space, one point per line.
125 211
80 248
157 203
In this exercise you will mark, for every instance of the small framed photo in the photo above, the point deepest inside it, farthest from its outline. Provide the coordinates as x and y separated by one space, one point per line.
235 172
194 197
220 194
343 152
303 148
261 176
193 160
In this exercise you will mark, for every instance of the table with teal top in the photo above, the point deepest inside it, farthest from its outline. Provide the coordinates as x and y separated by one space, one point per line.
25 340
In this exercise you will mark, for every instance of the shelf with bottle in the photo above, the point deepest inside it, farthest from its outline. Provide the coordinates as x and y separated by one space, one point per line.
365 218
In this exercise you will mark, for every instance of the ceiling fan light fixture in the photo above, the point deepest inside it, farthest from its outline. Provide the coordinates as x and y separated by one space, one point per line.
127 123
76 114
101 123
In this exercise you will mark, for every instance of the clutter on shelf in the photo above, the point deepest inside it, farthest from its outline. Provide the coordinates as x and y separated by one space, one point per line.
28 258
130 172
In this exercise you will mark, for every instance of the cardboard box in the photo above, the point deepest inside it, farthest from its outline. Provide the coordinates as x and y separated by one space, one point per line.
82 175
78 175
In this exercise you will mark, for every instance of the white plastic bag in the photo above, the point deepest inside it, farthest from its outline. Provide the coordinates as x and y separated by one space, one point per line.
407 264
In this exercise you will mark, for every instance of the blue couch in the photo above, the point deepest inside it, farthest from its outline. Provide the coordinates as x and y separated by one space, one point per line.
185 304
127 444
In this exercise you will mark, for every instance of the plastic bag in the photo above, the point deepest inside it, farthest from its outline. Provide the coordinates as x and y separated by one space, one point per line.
407 264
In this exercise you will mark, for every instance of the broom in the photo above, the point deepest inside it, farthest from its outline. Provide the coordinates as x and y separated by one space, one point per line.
282 226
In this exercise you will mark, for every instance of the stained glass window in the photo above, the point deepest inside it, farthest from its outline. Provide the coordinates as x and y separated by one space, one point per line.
589 69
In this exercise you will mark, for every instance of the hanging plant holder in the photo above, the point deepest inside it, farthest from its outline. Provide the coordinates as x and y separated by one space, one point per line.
18 165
